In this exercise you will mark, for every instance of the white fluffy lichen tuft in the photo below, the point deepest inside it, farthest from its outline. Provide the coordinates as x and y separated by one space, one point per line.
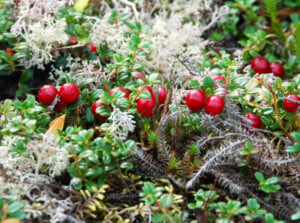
42 37
121 124
41 31
23 172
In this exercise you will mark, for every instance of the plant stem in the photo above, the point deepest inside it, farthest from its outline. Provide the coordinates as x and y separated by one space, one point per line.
278 116
164 212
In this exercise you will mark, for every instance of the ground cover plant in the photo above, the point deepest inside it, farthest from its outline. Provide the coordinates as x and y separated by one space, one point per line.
149 111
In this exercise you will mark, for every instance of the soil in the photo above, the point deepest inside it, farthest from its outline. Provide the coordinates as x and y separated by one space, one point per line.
9 84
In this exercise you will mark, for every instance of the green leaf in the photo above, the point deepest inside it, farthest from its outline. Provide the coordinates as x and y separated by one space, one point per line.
294 149
208 82
272 180
194 84
252 204
130 144
122 103
146 43
166 200
158 218
145 95
79 30
153 77
249 145
138 67
297 136
296 216
259 176
148 188
103 111
89 115
268 111
126 165
124 16
14 207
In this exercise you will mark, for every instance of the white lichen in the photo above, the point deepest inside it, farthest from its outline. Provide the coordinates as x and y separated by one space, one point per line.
121 124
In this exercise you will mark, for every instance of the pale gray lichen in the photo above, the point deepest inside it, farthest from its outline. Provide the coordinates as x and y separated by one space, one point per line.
121 124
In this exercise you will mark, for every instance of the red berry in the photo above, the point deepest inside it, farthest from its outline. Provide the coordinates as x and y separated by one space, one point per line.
260 65
217 78
162 95
195 100
112 91
96 105
277 69
92 46
47 94
145 106
214 105
254 120
290 106
73 41
69 92
60 105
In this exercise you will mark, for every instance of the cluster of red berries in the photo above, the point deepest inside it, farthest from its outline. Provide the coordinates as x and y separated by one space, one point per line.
214 105
68 93
196 100
144 106
93 48
261 65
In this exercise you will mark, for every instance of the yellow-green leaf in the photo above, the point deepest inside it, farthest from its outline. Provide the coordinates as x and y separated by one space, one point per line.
81 5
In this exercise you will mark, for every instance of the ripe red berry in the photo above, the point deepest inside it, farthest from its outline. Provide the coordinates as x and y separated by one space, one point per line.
253 119
195 100
290 106
60 105
96 105
162 95
69 92
92 46
218 78
47 94
277 69
260 65
73 41
145 106
214 105
112 91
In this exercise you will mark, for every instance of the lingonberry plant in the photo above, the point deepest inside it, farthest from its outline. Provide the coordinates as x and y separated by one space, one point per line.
122 111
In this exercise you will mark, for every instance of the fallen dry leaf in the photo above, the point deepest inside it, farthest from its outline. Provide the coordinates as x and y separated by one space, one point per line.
57 123
12 220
